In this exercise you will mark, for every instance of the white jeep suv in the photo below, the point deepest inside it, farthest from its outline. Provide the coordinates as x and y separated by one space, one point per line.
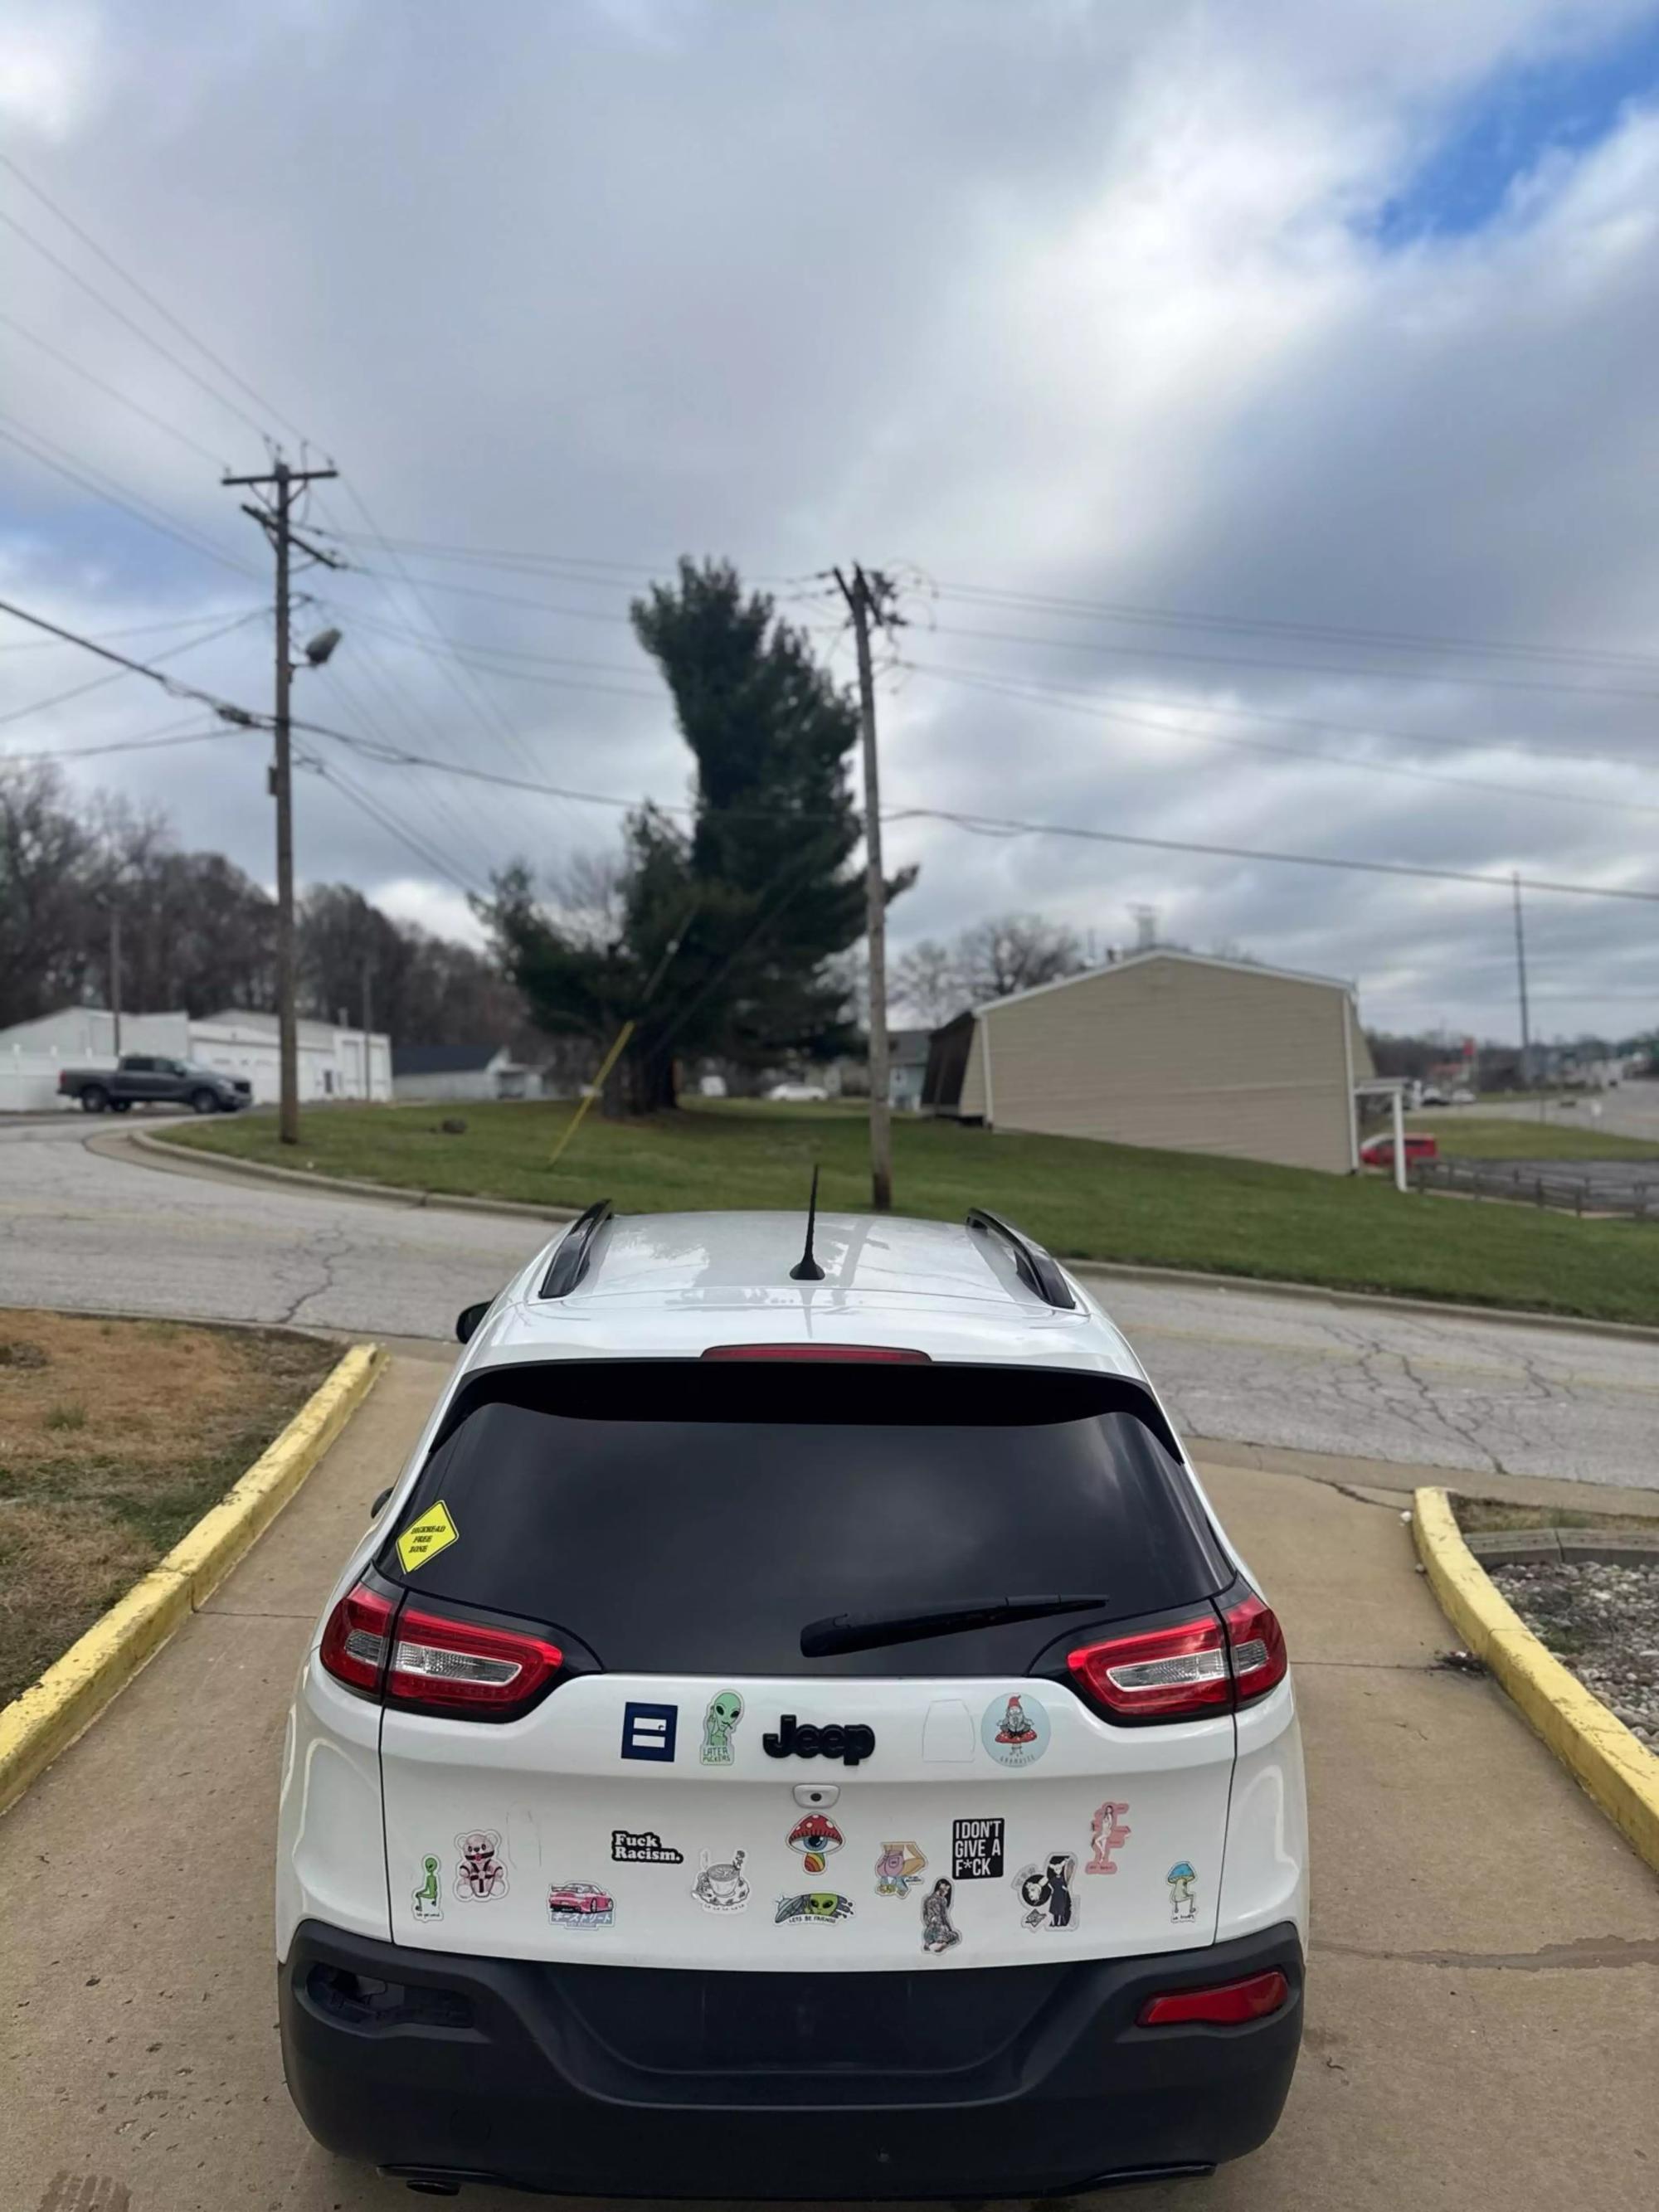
796 1730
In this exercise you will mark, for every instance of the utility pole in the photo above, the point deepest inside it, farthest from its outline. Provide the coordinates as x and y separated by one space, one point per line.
276 521
368 1064
869 599
115 972
1521 979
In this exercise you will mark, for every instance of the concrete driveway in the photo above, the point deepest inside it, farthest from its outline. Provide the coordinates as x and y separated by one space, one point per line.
119 1233
1483 2024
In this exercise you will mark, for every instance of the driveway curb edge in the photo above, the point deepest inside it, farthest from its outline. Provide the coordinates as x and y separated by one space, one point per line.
48 1716
1596 1748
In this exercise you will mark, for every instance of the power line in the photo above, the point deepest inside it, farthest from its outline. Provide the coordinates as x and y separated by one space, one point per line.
133 503
131 629
125 666
113 392
978 824
335 674
484 707
150 301
1002 825
504 598
410 839
1012 691
1298 667
1572 759
578 564
431 642
172 734
989 826
126 320
1346 633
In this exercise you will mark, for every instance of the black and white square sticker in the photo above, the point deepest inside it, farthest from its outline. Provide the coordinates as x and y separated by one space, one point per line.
977 1850
648 1731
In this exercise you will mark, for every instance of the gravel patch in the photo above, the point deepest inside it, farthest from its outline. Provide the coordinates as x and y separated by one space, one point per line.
1603 1623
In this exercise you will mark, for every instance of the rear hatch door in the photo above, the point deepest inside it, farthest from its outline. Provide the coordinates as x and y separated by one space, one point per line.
699 1793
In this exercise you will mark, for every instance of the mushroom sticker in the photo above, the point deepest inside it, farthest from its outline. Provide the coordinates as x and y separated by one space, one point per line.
815 1835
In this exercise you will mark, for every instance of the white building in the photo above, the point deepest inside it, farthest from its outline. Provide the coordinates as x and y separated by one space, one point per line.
461 1072
331 1061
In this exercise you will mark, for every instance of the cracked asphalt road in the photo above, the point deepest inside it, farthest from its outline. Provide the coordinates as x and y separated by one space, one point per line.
86 1230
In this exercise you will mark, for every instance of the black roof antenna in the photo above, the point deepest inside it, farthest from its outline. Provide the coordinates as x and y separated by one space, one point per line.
806 1268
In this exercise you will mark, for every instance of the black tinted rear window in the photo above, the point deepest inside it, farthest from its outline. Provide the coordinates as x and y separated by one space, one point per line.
683 1518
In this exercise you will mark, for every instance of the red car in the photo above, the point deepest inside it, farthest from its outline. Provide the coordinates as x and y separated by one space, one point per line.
1378 1151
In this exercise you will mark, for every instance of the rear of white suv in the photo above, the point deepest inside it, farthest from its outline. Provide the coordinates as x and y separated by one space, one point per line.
794 1740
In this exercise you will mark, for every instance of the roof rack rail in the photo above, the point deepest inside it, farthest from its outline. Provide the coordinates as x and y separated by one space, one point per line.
1037 1269
576 1249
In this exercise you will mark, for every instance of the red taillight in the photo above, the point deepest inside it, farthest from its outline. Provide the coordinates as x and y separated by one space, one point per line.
354 1644
1189 1670
1226 2004
1165 1673
880 1354
465 1667
457 1665
1257 1641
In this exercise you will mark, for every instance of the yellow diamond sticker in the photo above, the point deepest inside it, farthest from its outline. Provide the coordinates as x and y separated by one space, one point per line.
424 1538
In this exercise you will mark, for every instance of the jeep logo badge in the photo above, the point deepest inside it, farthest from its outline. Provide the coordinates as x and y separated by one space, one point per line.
849 1745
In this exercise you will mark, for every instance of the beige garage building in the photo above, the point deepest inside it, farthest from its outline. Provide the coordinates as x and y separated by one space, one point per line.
1171 1050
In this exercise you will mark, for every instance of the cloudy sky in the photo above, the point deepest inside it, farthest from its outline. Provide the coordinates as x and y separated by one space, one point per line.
1256 404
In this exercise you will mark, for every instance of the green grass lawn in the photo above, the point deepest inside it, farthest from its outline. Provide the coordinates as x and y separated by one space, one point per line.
1468 1136
1084 1201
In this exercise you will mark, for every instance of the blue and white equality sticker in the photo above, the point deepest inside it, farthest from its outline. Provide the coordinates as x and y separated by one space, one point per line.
649 1731
1015 1729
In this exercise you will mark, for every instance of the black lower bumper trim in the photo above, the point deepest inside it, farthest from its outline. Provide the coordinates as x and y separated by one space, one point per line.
617 2081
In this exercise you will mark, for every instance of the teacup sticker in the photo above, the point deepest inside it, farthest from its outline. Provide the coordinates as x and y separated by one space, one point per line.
1015 1729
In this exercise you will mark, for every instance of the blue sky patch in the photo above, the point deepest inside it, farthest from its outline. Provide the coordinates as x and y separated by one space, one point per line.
1516 120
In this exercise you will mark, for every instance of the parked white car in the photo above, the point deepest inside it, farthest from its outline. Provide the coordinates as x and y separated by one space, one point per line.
798 1094
796 1728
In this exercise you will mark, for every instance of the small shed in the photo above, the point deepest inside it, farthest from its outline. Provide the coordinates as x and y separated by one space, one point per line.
1171 1050
460 1073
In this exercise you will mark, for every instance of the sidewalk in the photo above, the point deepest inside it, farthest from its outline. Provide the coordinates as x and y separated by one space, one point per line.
1483 2002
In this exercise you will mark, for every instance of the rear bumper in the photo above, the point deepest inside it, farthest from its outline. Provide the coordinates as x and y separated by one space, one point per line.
609 2080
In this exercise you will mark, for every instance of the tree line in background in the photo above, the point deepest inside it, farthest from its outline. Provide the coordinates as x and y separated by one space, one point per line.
199 935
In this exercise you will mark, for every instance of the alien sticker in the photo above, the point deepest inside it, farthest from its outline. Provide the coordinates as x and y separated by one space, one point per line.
428 1904
1109 1835
815 1835
937 1932
1015 1730
1183 1905
723 1713
721 1888
818 1907
480 1873
1045 1893
897 1869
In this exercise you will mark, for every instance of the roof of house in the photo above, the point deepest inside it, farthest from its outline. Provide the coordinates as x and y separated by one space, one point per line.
1159 952
908 1047
442 1058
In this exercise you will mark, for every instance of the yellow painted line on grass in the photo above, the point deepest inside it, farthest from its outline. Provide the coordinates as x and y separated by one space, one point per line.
73 1690
1612 1765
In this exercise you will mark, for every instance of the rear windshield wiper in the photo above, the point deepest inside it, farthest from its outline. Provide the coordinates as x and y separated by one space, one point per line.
866 1631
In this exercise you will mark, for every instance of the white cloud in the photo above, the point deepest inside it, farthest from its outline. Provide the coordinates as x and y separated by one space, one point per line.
1075 300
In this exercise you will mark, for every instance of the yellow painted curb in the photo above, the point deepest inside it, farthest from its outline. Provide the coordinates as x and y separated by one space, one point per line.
73 1690
1613 1766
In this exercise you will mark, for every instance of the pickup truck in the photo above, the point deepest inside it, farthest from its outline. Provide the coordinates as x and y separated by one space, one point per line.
141 1078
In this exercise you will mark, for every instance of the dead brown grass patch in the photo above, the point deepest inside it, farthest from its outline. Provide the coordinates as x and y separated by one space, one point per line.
115 1437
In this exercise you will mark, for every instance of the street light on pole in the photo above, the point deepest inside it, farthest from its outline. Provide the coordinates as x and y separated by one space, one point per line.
276 520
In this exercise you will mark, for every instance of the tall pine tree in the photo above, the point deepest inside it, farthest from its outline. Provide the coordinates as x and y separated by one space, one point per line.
721 934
